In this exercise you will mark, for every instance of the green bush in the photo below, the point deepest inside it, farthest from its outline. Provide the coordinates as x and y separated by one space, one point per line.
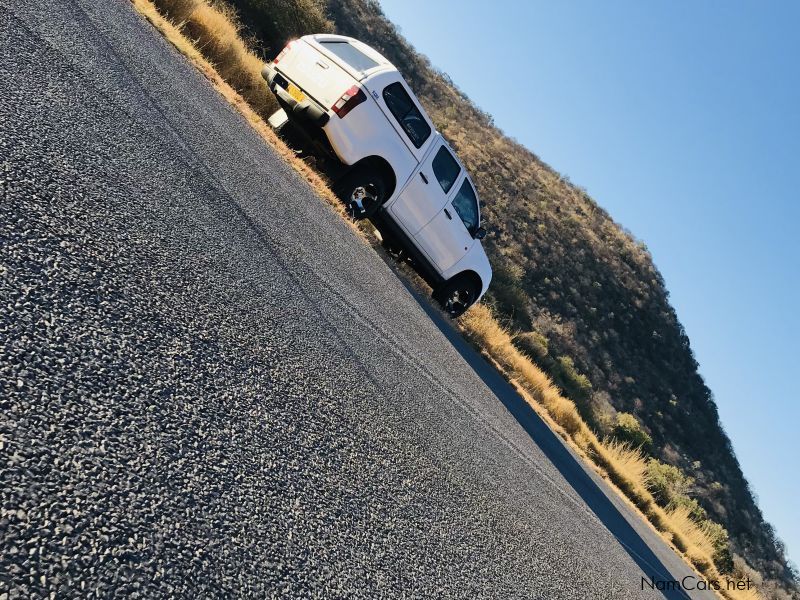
666 482
718 535
629 430
670 488
512 300
532 343
576 385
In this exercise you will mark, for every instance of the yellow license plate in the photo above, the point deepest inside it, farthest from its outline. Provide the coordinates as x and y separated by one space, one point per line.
295 92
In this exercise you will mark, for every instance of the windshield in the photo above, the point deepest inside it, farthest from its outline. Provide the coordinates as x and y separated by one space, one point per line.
466 205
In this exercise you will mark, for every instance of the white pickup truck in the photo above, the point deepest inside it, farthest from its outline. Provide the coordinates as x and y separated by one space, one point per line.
395 168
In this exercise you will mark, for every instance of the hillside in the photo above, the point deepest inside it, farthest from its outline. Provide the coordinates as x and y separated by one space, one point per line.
583 294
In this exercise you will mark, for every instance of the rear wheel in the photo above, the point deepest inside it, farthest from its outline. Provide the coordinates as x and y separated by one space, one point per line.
457 294
363 191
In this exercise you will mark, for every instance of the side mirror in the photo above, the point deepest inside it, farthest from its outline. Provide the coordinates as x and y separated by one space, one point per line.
480 233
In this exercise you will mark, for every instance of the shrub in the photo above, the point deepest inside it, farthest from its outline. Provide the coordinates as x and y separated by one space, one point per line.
666 482
723 558
670 488
512 300
533 343
576 385
629 430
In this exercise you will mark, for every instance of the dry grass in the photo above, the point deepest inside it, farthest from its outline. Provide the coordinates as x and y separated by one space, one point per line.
480 326
630 462
209 36
215 32
625 467
699 547
736 594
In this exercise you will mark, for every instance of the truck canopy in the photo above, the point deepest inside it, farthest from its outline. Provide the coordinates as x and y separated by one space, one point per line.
326 66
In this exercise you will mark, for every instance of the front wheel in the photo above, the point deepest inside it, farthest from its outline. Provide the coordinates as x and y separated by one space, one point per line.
456 295
363 191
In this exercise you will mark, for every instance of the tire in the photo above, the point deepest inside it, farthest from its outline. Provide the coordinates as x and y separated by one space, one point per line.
363 191
457 294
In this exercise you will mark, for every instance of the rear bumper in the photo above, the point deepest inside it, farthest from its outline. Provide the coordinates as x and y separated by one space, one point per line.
307 111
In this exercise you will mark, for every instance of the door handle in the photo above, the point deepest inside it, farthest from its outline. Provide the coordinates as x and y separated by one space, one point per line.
425 179
447 213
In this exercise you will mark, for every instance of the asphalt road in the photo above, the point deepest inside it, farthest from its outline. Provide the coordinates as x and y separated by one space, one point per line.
212 387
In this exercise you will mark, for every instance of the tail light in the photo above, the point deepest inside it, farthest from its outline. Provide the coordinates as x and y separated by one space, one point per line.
286 48
349 100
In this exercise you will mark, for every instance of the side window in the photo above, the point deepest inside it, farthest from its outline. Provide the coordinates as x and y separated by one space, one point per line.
466 205
445 168
407 114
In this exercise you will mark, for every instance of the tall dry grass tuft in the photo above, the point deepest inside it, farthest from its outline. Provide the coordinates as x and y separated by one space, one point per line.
693 533
215 31
629 461
698 546
626 468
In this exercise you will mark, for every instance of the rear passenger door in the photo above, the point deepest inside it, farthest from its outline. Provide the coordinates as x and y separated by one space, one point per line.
427 191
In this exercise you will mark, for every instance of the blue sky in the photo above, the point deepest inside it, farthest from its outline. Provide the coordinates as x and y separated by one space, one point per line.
681 119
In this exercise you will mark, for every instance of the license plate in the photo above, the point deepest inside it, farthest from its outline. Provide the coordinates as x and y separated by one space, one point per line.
295 92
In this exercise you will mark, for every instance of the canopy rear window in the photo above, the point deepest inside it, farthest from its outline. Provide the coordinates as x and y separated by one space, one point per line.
351 55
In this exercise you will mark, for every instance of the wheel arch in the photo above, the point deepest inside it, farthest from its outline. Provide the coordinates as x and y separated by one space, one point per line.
471 276
467 274
382 166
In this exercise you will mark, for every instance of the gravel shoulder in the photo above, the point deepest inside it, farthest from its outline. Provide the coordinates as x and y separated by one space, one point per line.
210 386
